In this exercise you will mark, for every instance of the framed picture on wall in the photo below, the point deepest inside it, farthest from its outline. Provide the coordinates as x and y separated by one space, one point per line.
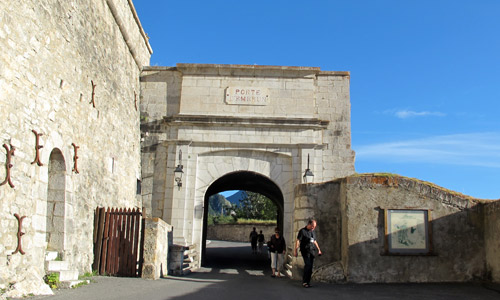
408 232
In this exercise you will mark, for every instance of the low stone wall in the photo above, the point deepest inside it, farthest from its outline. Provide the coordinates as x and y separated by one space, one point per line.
236 232
351 231
456 232
157 241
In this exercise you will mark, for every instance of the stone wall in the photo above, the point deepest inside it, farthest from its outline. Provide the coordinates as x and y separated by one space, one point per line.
238 233
464 240
492 238
457 232
58 56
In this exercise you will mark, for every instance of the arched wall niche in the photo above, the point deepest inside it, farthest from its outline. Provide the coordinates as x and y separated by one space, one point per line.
56 201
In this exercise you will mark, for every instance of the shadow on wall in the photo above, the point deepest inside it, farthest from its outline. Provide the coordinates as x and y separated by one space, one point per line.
354 215
447 249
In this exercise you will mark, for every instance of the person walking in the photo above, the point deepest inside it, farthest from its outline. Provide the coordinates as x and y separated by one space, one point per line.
309 248
277 247
253 240
260 241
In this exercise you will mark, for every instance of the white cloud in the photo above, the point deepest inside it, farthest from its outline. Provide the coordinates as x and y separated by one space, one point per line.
403 114
471 149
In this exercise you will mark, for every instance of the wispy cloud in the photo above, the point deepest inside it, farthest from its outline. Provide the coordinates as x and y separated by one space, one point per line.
471 149
405 114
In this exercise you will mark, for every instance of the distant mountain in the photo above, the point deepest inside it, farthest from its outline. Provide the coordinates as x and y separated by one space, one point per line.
217 205
235 199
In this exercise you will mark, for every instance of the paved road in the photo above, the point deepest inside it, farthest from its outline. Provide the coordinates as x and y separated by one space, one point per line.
232 272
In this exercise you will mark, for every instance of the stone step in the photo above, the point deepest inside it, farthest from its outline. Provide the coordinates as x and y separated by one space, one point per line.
51 255
191 247
68 275
54 265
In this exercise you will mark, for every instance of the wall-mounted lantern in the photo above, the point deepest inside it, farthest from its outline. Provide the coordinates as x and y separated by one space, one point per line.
178 171
308 175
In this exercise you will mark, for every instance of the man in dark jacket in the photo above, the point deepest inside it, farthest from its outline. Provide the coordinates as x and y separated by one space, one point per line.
309 248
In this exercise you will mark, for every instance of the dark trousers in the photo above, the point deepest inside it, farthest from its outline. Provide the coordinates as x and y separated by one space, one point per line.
308 268
254 245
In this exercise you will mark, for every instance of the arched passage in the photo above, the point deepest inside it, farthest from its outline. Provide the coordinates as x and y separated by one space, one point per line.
247 181
56 199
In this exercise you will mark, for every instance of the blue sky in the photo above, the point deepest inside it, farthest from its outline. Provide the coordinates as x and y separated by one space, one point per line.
425 75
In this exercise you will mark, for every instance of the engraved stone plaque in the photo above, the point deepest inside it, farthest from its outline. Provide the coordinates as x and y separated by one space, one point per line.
247 96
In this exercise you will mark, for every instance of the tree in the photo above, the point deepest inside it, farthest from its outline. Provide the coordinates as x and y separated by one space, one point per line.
256 206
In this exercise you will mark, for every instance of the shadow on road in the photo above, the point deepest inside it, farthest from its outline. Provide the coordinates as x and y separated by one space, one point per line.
235 257
233 272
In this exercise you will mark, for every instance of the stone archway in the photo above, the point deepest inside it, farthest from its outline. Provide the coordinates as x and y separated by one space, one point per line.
265 172
56 202
247 181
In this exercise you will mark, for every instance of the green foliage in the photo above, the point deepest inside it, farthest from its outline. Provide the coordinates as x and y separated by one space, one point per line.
256 206
88 275
231 220
80 284
255 221
52 280
220 220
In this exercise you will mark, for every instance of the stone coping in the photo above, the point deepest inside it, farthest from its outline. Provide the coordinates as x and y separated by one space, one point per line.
141 29
302 123
246 70
241 145
395 180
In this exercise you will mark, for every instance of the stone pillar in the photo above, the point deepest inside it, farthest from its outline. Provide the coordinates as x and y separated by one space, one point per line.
157 240
180 215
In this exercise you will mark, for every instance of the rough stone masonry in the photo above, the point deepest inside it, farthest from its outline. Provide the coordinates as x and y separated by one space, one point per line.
69 70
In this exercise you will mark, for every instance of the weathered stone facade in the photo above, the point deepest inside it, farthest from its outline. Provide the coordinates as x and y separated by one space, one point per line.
227 119
56 57
351 231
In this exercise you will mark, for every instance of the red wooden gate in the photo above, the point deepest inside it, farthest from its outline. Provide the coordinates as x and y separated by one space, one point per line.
117 237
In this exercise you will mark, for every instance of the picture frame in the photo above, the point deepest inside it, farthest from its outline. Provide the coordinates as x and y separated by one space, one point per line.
408 232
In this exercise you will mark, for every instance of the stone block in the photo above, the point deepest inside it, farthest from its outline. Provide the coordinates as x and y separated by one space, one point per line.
68 275
53 266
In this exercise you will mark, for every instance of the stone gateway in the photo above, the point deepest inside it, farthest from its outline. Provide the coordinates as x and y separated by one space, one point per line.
87 123
263 148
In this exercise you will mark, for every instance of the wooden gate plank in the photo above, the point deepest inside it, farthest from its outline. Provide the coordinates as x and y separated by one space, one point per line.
141 254
112 242
119 240
122 243
98 236
136 224
105 244
128 241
